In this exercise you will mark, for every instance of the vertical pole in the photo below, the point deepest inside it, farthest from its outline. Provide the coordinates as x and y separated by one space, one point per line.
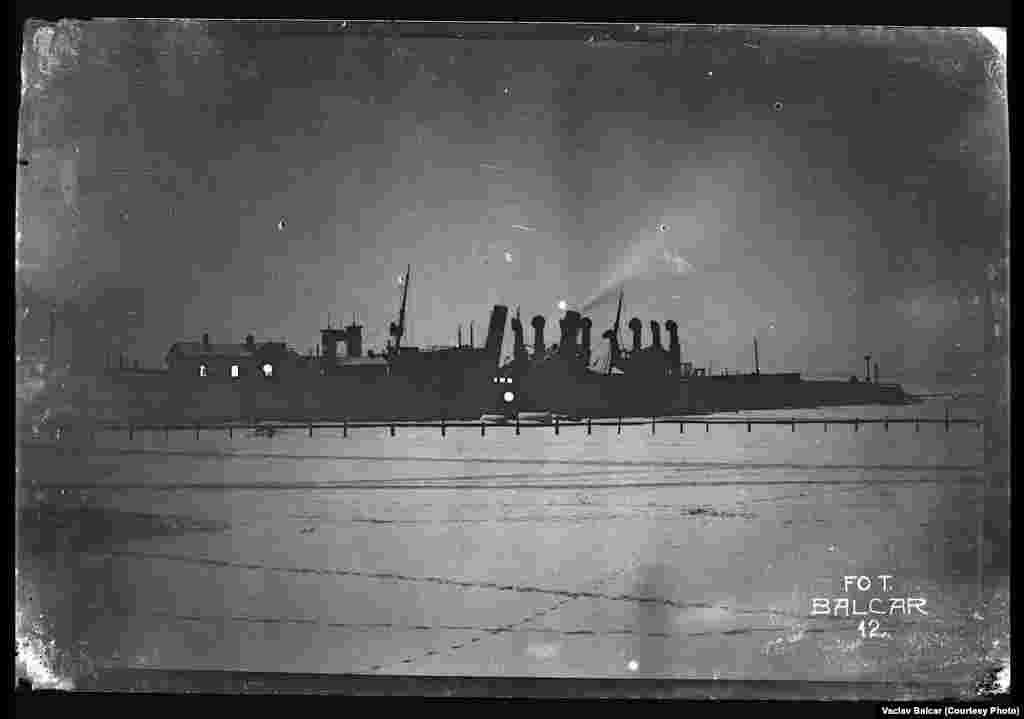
131 432
197 430
826 426
231 432
482 428
310 429
556 425
748 426
680 427
947 418
652 425
167 432
344 429
856 425
517 424
589 430
442 427
793 426
620 425
392 429
707 427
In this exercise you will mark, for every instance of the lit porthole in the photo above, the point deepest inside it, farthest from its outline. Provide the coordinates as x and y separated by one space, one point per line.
234 370
268 370
203 371
509 396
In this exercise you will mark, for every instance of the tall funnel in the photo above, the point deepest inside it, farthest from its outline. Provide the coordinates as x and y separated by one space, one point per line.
655 335
538 336
586 324
636 327
674 349
496 331
354 340
519 344
570 327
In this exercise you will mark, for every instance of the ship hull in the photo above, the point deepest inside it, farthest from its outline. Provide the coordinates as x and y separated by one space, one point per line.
467 395
587 394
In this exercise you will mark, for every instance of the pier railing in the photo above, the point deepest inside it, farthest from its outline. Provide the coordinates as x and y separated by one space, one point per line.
269 426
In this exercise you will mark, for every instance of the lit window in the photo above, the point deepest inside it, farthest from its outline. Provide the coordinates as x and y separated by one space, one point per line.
268 370
234 370
203 371
509 396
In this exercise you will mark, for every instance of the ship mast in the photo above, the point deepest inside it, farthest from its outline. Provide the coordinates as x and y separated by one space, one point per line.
400 327
615 329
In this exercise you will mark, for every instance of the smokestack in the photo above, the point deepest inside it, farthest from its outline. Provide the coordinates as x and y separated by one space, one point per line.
496 331
538 336
329 341
674 349
655 335
570 325
354 340
519 345
586 325
636 327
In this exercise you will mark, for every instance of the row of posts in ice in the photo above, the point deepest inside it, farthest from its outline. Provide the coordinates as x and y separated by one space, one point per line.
557 424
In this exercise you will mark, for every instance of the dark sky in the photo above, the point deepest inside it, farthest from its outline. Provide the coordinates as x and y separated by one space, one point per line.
834 192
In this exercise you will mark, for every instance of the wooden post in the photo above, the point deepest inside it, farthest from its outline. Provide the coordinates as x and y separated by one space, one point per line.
917 426
556 425
947 418
620 425
886 424
131 432
826 426
197 430
652 425
310 429
517 424
793 426
482 428
231 432
392 429
748 426
680 427
442 427
344 429
589 430
167 432
856 425
707 427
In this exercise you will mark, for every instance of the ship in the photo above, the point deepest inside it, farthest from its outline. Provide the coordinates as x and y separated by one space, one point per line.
205 381
649 381
266 381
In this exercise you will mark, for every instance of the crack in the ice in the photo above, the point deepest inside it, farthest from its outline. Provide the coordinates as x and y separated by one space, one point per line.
395 576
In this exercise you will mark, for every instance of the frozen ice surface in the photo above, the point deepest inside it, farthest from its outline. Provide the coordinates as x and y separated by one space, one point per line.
684 555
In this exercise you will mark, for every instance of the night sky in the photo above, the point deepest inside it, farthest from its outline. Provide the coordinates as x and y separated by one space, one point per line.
833 192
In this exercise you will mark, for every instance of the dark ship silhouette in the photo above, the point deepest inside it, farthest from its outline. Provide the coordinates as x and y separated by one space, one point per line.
270 381
652 380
